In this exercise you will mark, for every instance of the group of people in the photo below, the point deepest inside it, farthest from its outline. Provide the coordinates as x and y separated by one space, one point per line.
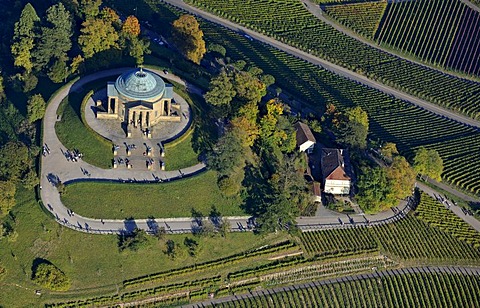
122 161
73 155
45 150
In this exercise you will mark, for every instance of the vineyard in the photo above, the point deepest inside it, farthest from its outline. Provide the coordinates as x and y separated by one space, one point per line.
437 215
330 242
390 119
363 18
442 32
409 239
395 289
288 21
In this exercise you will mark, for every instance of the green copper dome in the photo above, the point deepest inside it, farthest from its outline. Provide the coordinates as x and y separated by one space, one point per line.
140 84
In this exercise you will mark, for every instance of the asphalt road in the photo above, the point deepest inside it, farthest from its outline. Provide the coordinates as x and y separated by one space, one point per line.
325 64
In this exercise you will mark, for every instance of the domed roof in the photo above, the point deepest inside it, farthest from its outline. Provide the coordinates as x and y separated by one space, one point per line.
140 84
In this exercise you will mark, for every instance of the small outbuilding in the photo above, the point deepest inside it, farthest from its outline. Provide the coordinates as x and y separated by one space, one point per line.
305 139
335 174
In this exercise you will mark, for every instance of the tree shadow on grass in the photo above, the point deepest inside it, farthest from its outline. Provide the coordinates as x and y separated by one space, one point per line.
36 263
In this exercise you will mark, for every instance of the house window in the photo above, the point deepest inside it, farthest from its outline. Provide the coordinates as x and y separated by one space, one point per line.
156 113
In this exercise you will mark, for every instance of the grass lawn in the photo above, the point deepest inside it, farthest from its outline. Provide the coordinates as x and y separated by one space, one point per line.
72 133
174 199
180 155
93 262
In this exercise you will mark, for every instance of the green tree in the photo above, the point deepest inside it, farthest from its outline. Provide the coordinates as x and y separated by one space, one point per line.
30 179
375 192
51 277
191 245
248 87
133 240
428 163
389 150
97 35
138 48
221 90
14 160
55 39
7 197
188 38
219 49
23 38
58 72
227 154
35 108
90 8
352 128
402 177
170 250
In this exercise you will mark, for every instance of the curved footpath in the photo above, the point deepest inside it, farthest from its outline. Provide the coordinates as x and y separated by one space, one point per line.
320 283
56 167
339 70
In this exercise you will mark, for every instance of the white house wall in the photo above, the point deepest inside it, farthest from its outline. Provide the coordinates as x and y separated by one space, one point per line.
337 187
306 145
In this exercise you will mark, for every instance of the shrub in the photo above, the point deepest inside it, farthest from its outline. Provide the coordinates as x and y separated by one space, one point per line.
51 277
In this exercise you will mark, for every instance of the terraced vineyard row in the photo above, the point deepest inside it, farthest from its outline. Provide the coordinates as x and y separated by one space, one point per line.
363 18
437 215
290 22
328 242
443 32
399 289
390 119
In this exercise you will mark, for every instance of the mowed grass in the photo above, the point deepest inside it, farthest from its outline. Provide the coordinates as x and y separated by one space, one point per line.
162 200
72 132
180 154
93 262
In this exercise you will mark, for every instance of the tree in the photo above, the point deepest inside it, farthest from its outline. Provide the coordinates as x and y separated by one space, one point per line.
131 26
30 179
227 154
132 241
109 15
224 227
23 38
51 277
188 38
75 65
14 161
428 163
219 49
191 245
170 249
245 124
7 197
221 90
90 8
375 192
402 177
137 48
58 72
55 40
352 128
35 108
248 87
97 35
389 150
